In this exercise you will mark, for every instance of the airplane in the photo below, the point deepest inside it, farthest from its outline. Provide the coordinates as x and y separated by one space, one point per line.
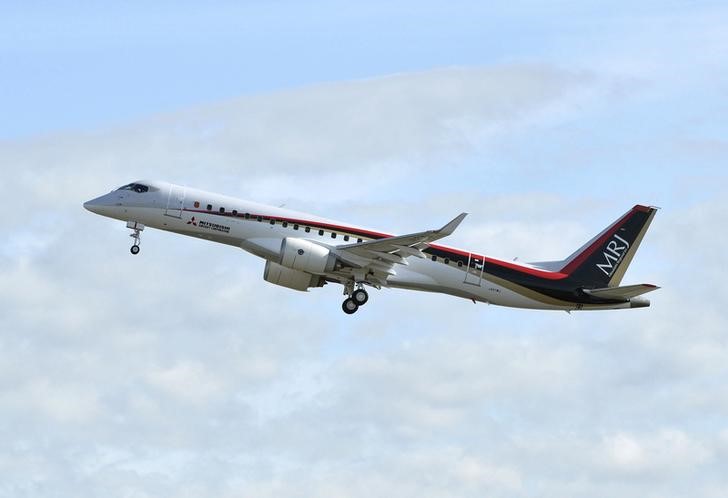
304 251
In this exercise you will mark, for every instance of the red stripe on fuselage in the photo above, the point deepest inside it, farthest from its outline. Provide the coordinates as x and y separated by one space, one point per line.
549 275
317 224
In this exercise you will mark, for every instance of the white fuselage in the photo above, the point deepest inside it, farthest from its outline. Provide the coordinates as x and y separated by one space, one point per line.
257 229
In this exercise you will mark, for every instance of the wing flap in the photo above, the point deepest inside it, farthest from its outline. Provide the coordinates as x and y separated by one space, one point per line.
410 251
386 256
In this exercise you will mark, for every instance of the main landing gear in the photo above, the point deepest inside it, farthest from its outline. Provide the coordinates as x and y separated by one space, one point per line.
136 235
358 297
349 306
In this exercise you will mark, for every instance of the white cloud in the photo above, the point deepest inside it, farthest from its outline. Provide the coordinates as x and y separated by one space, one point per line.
666 452
188 381
63 402
406 122
161 375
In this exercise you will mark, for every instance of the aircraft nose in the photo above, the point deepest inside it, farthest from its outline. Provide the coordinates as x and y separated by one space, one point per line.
93 205
99 205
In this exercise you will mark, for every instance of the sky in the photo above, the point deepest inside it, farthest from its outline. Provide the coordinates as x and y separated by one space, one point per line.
179 372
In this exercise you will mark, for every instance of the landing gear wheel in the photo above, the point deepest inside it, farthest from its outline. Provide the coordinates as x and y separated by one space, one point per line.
360 297
136 235
349 306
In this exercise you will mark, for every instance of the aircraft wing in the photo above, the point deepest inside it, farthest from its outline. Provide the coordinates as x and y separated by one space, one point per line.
625 292
380 255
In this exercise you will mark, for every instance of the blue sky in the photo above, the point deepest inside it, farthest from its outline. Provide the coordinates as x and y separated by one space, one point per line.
80 64
181 373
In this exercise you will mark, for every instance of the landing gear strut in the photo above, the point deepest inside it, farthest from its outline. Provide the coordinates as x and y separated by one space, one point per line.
358 297
136 235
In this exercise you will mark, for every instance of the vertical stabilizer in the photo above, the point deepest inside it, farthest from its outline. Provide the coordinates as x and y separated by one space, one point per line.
602 261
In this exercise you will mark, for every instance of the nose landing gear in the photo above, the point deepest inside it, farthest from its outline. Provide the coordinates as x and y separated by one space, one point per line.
136 235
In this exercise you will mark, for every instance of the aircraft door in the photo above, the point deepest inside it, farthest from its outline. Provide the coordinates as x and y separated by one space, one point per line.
475 270
175 201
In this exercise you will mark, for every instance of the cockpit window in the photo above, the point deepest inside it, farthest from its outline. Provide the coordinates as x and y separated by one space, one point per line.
136 187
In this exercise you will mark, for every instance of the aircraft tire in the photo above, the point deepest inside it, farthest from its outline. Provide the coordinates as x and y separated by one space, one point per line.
360 297
349 306
134 249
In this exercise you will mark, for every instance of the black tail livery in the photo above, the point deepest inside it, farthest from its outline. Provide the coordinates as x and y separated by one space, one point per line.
603 260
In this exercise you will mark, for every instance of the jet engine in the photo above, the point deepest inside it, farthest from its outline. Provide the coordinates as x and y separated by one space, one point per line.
293 279
306 256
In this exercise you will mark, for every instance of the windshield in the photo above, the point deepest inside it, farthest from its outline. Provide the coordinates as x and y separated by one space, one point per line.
136 187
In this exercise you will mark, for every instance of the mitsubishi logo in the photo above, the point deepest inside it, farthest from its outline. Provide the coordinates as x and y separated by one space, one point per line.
192 222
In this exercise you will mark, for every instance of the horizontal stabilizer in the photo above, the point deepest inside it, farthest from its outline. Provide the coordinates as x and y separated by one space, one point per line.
625 292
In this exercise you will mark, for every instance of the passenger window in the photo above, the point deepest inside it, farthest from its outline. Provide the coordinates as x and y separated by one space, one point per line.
247 216
197 204
346 237
285 224
272 221
307 229
358 241
321 232
222 210
295 227
333 235
209 207
235 212
260 218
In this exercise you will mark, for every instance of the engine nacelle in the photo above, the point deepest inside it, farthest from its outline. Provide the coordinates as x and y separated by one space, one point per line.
293 279
304 255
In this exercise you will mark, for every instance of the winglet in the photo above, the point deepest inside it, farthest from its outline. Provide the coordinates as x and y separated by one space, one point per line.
450 227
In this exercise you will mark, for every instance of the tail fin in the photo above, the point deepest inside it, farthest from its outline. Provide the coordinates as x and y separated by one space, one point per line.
603 260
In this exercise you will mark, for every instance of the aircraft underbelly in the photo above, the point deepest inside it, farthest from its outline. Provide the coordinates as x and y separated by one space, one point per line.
428 276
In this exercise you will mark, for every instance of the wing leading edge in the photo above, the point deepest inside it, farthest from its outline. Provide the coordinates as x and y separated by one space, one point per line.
380 255
408 245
